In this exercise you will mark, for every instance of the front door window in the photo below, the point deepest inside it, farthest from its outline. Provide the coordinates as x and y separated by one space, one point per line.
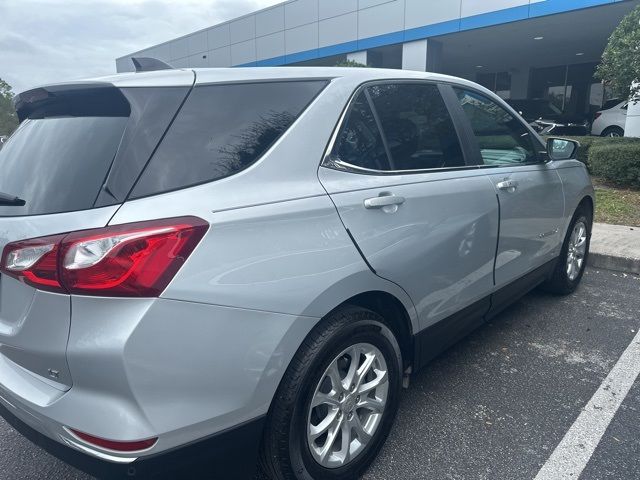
502 138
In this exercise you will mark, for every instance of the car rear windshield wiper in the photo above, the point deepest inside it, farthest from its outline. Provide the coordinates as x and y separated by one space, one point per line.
11 200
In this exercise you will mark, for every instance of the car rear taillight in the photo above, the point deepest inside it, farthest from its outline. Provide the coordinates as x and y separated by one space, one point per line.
114 445
597 115
35 262
131 260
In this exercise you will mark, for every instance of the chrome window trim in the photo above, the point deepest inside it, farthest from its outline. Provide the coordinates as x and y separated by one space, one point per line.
337 164
265 80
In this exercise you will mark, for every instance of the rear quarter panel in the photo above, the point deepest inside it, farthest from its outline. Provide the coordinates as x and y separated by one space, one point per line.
223 333
293 257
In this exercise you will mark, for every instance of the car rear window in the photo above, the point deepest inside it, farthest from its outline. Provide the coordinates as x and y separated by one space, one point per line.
59 157
223 129
82 146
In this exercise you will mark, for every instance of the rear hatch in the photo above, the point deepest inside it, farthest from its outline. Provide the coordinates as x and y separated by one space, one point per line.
73 160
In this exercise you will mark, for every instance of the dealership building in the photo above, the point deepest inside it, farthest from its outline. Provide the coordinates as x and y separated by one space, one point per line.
537 49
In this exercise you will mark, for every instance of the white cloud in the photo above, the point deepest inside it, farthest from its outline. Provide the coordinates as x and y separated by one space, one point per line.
51 41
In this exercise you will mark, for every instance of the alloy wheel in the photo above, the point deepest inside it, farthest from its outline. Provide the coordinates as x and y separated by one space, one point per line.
348 405
577 250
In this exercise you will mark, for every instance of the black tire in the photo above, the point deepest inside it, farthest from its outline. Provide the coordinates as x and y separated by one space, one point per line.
613 132
559 283
285 453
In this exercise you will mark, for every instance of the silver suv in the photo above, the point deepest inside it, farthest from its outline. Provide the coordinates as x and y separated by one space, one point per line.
224 267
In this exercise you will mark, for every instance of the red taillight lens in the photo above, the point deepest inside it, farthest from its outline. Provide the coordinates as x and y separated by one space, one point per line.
131 260
135 446
597 115
34 262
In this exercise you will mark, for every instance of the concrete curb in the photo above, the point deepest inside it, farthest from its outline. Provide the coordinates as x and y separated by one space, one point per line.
610 262
615 247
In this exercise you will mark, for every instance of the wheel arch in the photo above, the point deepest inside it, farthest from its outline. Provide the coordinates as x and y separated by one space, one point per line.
605 131
395 314
367 290
587 202
361 289
578 191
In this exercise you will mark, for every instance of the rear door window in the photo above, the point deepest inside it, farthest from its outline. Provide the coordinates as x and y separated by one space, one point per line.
399 127
418 128
223 129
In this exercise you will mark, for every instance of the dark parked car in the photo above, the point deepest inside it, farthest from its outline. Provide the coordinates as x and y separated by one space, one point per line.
548 119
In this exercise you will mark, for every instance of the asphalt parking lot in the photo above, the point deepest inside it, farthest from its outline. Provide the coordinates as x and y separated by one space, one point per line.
496 405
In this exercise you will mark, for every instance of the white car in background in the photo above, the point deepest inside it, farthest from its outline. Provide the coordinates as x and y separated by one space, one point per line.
610 122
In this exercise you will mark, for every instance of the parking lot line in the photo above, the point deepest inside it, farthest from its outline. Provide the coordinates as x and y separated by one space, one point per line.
571 456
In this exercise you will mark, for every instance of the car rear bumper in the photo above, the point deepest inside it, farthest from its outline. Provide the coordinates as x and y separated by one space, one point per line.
231 454
159 369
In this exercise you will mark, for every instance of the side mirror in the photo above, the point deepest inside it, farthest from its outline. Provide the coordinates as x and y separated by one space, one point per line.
561 148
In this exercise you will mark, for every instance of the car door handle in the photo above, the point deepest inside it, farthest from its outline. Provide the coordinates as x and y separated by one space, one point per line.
508 185
383 201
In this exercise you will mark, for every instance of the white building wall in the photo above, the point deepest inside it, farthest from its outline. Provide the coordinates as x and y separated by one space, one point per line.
360 57
419 13
414 55
299 30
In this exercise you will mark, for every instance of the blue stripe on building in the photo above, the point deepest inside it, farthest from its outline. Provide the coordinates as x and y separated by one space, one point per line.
499 17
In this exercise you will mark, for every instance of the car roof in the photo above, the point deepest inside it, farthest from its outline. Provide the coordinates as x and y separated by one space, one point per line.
185 77
213 75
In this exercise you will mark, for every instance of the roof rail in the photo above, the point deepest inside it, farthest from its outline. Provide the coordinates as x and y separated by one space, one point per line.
148 64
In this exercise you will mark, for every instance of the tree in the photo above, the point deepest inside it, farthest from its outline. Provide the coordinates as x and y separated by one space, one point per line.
620 66
350 63
8 117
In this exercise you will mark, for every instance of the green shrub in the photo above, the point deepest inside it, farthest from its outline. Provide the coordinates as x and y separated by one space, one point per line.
617 162
350 63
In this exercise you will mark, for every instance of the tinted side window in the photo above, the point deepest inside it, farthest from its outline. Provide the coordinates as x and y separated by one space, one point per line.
223 129
416 123
502 138
152 110
359 142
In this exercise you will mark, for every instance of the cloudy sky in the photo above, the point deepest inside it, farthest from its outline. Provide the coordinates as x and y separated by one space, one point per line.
45 41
